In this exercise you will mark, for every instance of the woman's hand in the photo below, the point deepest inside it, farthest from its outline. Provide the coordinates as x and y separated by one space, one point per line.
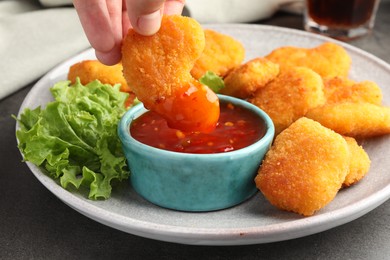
106 22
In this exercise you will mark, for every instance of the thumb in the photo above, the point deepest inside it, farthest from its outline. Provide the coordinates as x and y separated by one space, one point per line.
145 15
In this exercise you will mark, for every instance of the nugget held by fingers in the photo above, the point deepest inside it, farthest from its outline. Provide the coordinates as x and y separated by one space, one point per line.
158 69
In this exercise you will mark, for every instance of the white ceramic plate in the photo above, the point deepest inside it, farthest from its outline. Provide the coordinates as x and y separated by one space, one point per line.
254 221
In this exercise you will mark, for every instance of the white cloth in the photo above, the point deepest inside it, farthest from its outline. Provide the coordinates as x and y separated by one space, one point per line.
239 11
34 39
51 3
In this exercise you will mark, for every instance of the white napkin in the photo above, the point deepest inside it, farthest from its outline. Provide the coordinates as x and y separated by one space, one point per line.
33 40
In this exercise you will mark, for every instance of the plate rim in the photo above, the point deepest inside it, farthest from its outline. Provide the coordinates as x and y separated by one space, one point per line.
216 236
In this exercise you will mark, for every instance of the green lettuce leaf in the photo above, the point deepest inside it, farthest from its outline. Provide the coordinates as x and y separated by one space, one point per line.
213 81
74 138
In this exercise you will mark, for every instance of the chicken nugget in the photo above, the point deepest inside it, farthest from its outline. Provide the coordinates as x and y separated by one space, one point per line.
290 95
359 163
158 69
328 59
359 120
221 54
305 167
90 70
244 80
340 89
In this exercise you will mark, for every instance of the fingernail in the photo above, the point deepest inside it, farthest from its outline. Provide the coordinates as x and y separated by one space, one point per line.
149 24
173 7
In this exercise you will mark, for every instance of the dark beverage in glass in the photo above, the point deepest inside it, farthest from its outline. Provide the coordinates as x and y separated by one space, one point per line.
343 19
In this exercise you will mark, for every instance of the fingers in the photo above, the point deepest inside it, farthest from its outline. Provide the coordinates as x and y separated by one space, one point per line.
95 20
145 15
173 7
113 56
114 9
126 25
102 24
105 22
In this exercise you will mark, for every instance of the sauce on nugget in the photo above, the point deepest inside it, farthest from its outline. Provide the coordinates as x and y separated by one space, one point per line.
237 128
158 70
194 107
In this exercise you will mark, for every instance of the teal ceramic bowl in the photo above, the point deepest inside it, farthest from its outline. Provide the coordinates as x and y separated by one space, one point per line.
194 182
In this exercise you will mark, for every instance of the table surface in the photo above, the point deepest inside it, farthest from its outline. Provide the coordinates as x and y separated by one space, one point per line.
35 224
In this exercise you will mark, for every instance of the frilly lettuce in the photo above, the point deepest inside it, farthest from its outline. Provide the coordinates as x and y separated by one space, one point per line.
74 138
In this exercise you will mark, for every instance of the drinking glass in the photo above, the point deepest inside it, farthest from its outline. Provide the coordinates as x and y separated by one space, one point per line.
340 19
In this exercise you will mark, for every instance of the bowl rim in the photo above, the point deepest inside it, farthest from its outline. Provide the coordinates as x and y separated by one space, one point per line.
139 109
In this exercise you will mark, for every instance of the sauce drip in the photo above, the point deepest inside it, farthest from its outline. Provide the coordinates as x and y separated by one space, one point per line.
192 108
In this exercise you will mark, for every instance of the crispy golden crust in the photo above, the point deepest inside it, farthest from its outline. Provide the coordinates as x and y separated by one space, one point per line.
305 167
328 59
158 69
359 163
244 80
90 70
359 120
289 96
340 89
155 65
221 54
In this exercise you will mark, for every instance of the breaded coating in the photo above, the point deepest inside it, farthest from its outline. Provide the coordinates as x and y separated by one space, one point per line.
243 81
328 59
359 120
290 95
305 167
339 89
221 54
359 163
156 65
158 69
90 70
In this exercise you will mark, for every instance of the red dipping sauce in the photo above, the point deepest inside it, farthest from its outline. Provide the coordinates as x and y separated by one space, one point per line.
237 128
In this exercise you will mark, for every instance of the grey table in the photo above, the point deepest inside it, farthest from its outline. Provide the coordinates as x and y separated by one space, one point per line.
34 224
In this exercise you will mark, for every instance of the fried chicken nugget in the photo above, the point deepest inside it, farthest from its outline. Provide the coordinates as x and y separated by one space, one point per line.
328 59
158 69
359 120
340 89
90 70
221 54
359 163
290 95
305 167
245 79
